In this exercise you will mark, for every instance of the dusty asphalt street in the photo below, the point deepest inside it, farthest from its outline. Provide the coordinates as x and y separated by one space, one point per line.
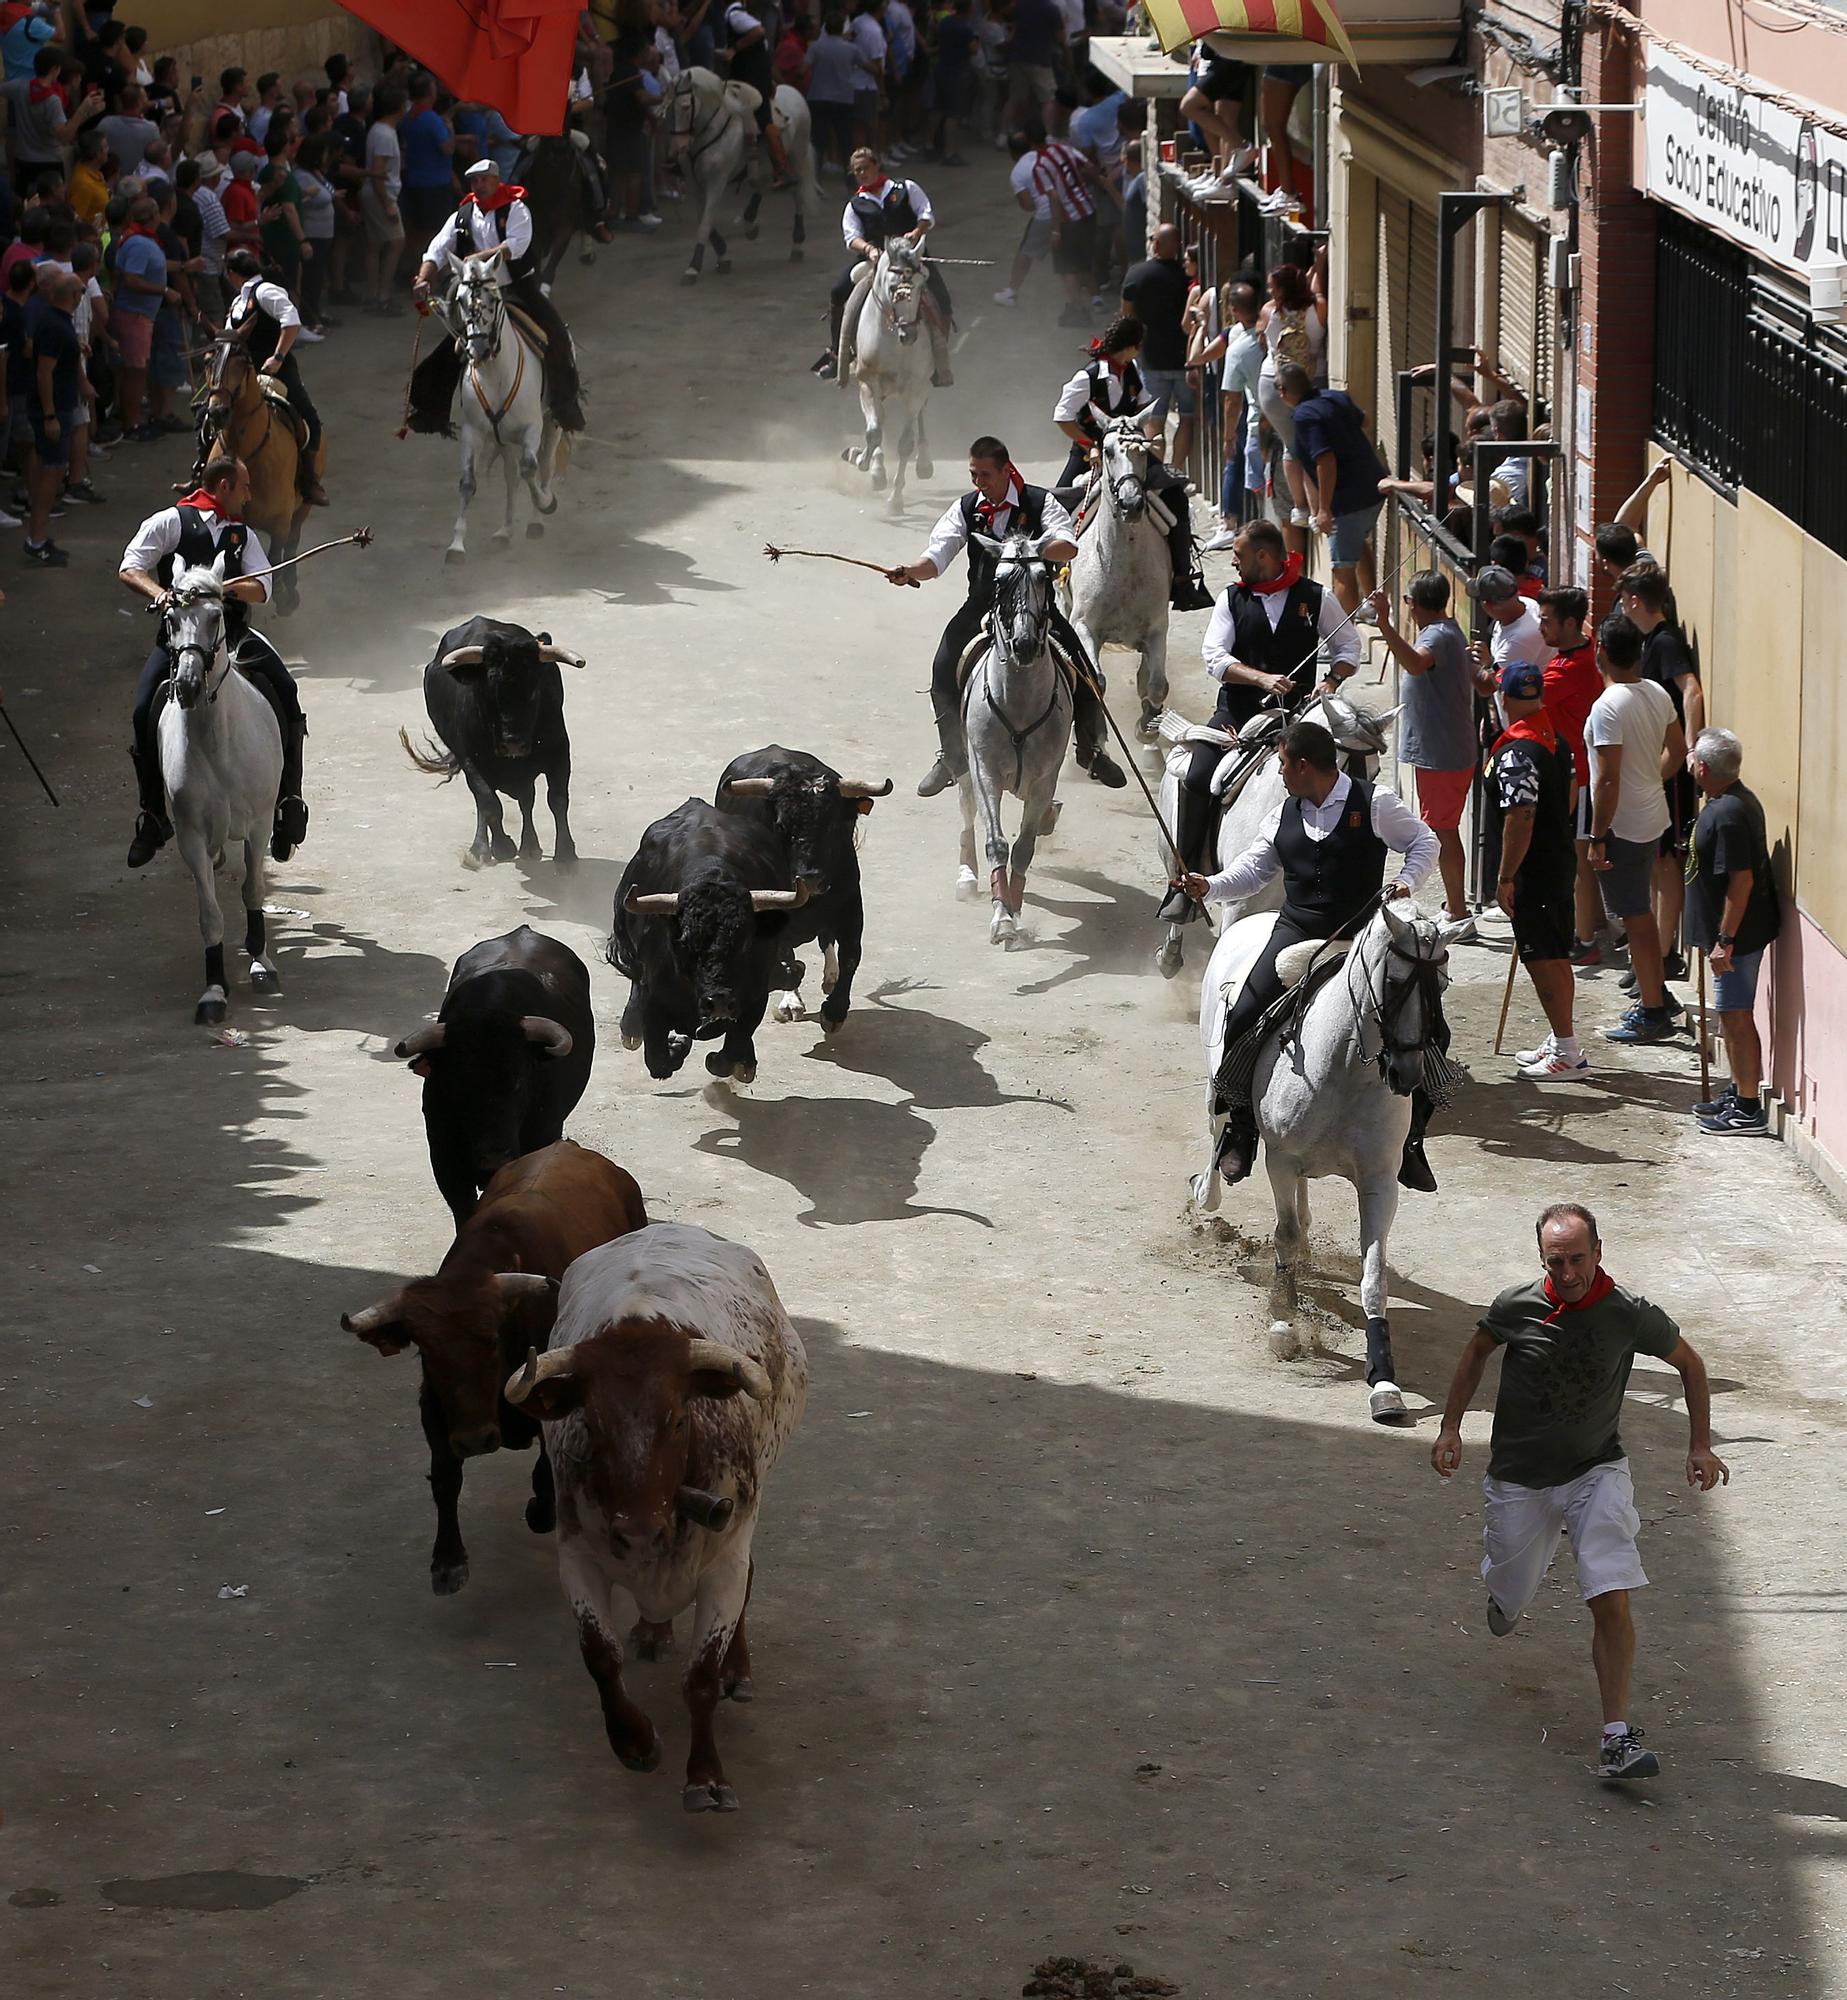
1081 1624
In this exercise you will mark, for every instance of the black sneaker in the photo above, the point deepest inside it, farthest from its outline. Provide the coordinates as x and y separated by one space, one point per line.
1674 966
1714 1105
1585 953
83 493
1627 982
46 554
1623 1757
1498 1621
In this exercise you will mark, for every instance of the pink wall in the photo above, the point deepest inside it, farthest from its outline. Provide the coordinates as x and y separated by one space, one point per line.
1810 63
1802 1017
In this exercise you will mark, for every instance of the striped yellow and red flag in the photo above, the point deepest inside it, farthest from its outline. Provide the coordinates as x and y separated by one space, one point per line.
1178 22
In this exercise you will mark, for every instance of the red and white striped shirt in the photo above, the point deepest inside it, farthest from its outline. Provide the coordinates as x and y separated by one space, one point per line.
1058 172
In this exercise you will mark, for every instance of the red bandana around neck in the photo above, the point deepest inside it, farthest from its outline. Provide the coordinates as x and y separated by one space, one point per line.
141 229
507 191
1292 574
985 509
1601 1286
43 89
206 502
1528 729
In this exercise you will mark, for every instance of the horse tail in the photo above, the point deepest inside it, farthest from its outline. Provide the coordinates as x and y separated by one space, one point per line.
437 763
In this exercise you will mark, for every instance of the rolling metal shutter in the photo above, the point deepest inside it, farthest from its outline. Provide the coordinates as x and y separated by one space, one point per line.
1526 335
1406 311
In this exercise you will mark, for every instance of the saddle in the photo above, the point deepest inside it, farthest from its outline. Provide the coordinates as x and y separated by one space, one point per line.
529 329
978 645
863 273
251 647
1304 968
276 393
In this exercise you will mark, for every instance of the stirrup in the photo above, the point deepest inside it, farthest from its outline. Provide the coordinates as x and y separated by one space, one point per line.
151 834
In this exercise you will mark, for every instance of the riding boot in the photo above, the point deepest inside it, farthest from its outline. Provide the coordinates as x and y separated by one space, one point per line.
943 376
291 827
306 476
153 829
938 778
1190 591
1414 1170
1237 1147
561 385
829 364
1192 831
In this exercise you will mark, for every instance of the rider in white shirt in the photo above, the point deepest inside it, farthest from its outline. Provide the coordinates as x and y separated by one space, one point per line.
264 318
878 209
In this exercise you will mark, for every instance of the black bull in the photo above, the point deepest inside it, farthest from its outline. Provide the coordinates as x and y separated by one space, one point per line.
506 1061
496 701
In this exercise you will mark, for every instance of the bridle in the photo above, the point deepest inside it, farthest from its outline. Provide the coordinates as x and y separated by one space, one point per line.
465 300
899 283
1128 491
690 127
999 629
192 648
1388 1002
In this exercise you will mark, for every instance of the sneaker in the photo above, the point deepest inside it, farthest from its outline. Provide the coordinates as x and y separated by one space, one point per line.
83 493
1365 615
1627 982
46 554
1298 517
105 435
1223 540
1498 1621
1736 1122
1623 1757
308 337
1640 1026
10 520
1714 1105
1674 966
1538 1054
649 221
1552 1067
1459 930
1006 296
1585 953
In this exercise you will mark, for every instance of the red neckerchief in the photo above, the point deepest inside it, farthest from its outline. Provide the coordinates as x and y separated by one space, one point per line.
986 509
41 91
1528 729
1292 575
1601 1286
140 229
498 200
878 187
207 503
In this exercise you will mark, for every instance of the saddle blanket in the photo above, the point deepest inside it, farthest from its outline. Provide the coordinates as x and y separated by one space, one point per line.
1236 952
978 645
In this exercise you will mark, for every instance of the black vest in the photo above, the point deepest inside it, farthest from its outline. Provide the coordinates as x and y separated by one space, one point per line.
265 330
1550 864
1028 519
1120 395
880 216
517 267
1326 883
1289 648
198 551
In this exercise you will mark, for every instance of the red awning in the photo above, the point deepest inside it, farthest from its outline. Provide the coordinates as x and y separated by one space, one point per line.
514 55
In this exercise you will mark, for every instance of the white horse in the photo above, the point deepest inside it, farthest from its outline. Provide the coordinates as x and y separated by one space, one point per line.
713 131
1334 1100
1255 780
892 366
221 761
1016 720
504 413
1122 575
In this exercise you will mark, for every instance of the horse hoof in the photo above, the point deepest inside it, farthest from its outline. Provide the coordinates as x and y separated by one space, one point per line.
724 266
848 456
740 1689
630 1040
650 1644
1049 823
750 236
968 887
878 479
454 557
1386 1404
647 1759
830 1027
743 1072
1204 1192
1169 959
474 858
1003 930
926 468
504 850
263 979
447 1578
535 531
709 1798
548 511
208 1013
689 277
565 861
1148 729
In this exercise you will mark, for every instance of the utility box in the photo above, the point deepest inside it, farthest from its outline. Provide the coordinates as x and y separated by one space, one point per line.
1503 113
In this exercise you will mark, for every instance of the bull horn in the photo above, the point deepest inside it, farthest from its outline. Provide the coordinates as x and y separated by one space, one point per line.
561 656
780 899
370 1318
863 788
711 1357
525 1285
464 656
651 906
548 1035
705 1510
421 1043
539 1368
750 788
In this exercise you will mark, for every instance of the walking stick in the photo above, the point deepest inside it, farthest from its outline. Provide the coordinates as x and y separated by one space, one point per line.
1705 1053
1507 994
827 555
27 755
360 538
416 348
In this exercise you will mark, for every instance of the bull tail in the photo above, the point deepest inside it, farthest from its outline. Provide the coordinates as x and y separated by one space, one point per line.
620 950
438 763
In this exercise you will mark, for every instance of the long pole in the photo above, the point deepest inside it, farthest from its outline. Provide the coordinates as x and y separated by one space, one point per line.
1507 994
1705 1052
27 755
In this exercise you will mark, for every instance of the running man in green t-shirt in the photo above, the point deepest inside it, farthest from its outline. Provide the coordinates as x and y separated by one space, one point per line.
1556 1461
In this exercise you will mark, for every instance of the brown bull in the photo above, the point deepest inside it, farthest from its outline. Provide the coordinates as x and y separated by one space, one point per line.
492 1300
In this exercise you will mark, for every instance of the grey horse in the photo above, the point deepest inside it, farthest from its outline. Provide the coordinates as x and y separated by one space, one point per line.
1122 575
1016 717
1333 1099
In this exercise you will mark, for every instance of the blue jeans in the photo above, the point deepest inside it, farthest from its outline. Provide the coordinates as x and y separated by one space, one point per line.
1348 542
1735 992
1170 389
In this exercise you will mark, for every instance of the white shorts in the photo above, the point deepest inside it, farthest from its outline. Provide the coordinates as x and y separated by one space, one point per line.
1521 1527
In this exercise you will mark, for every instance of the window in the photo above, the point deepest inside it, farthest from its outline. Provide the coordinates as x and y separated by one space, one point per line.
1701 295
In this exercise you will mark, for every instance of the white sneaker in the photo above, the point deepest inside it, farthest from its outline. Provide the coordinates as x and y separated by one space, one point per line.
1536 1055
10 520
1006 296
648 221
306 336
1556 1068
1298 517
1456 930
1223 540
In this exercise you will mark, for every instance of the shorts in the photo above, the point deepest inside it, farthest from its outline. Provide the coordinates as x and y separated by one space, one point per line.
1030 87
1520 1533
380 227
1735 992
1171 388
1351 534
1036 239
866 109
1625 884
628 151
1543 921
1219 78
1441 795
1683 809
134 335
167 357
1296 73
54 453
1075 251
19 421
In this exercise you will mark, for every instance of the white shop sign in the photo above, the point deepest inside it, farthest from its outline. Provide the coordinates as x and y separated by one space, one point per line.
1765 177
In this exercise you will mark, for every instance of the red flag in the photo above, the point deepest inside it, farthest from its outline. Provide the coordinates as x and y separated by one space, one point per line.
514 55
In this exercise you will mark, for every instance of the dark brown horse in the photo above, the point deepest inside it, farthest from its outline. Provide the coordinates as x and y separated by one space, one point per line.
243 421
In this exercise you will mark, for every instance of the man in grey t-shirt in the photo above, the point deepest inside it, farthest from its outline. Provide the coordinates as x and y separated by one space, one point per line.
1436 733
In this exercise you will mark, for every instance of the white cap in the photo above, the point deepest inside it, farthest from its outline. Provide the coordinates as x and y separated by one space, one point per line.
482 167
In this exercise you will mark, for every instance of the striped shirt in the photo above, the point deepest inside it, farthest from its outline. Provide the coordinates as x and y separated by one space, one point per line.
1058 174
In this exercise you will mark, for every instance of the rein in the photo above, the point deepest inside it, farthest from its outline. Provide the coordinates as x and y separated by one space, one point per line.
1018 737
719 117
1388 1004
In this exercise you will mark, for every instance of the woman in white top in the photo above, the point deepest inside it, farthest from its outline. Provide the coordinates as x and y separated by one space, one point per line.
1294 326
